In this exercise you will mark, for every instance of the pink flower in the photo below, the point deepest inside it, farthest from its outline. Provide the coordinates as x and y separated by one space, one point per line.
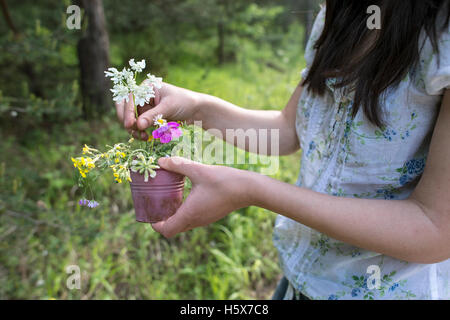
167 132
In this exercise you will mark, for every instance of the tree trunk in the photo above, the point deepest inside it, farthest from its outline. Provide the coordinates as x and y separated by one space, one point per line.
8 19
93 56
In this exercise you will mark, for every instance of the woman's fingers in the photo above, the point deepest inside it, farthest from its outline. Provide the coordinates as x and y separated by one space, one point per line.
129 116
175 224
144 135
146 119
121 110
139 135
120 106
186 167
182 220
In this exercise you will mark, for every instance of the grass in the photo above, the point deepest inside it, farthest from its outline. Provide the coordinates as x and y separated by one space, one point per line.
42 230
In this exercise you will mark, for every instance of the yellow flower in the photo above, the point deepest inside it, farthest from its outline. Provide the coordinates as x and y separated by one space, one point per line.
84 165
120 154
90 163
150 138
117 160
85 149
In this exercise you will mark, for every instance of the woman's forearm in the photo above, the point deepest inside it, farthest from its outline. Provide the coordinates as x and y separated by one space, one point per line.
400 229
221 115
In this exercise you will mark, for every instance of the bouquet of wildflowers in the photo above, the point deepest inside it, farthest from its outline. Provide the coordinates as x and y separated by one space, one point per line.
137 156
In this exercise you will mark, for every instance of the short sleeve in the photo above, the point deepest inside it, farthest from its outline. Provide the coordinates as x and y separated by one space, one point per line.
436 73
316 32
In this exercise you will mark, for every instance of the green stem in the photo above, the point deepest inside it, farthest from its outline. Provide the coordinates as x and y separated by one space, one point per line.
90 189
153 142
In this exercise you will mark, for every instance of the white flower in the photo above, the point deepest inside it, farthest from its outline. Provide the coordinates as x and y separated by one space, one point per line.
155 81
137 66
132 85
143 94
159 121
125 83
128 76
120 92
116 75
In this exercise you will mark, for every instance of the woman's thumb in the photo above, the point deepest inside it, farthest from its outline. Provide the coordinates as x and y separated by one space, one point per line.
179 165
146 119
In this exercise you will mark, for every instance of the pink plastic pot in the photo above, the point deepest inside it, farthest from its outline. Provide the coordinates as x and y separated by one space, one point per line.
159 198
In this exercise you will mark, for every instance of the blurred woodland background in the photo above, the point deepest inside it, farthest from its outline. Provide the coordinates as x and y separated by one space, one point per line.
54 98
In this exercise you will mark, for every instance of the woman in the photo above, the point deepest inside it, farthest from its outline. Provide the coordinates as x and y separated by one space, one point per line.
370 215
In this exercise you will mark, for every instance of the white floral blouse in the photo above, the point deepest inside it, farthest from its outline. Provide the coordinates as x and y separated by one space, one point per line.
352 158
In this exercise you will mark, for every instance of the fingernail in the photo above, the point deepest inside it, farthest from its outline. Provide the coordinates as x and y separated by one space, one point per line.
143 123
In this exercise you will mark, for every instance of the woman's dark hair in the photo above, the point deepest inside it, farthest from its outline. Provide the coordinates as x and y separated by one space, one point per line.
383 62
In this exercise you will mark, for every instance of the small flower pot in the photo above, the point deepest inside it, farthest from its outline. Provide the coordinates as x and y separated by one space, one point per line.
159 197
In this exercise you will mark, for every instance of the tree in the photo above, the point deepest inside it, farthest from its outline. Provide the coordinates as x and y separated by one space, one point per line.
93 56
8 19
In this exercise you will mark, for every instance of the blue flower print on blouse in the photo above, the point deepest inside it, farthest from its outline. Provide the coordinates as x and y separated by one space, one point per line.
395 286
312 147
411 170
389 134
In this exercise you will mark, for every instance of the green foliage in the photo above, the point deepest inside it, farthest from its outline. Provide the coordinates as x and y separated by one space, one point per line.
43 230
39 66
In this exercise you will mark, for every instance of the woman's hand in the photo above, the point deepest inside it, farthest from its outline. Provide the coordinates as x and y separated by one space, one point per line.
172 102
216 192
178 104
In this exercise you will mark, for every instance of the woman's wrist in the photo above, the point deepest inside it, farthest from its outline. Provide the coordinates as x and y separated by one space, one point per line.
201 107
262 191
250 188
